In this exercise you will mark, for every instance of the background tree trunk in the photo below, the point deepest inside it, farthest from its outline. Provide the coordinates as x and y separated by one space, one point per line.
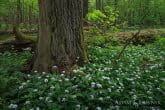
99 5
85 8
18 17
19 36
85 11
61 40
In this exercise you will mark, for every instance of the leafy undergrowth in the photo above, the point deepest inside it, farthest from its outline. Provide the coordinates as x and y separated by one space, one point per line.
134 81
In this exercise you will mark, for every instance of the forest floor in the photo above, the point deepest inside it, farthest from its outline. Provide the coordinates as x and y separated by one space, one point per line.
135 81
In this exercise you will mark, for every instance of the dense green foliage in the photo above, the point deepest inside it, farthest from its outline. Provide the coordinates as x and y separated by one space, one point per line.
137 12
133 81
103 22
148 13
9 9
137 79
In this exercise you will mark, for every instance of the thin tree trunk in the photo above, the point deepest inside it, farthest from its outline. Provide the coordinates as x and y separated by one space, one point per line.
20 37
85 8
18 17
99 5
30 16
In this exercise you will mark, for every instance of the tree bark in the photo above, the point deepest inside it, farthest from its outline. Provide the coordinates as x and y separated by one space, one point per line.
61 40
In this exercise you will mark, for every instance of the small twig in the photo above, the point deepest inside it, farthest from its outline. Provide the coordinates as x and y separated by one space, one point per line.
130 40
127 43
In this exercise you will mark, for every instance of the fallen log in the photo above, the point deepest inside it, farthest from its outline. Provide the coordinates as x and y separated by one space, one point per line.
19 42
23 31
144 32
21 37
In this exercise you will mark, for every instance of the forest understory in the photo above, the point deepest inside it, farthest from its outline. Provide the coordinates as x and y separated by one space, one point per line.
132 81
82 55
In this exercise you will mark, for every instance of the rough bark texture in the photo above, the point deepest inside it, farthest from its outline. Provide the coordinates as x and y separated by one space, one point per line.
43 55
61 41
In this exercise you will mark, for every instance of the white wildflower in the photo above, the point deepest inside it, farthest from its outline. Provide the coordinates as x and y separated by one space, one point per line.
63 72
74 87
98 108
43 73
86 108
134 97
52 87
99 85
47 99
13 106
40 98
66 91
54 66
109 90
27 49
75 71
46 80
47 76
27 102
100 98
39 77
93 84
108 97
66 79
20 87
78 106
106 78
35 90
50 101
38 108
62 75
63 99
35 71
52 78
23 84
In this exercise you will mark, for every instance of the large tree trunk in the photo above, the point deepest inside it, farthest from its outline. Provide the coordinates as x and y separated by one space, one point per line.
61 40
